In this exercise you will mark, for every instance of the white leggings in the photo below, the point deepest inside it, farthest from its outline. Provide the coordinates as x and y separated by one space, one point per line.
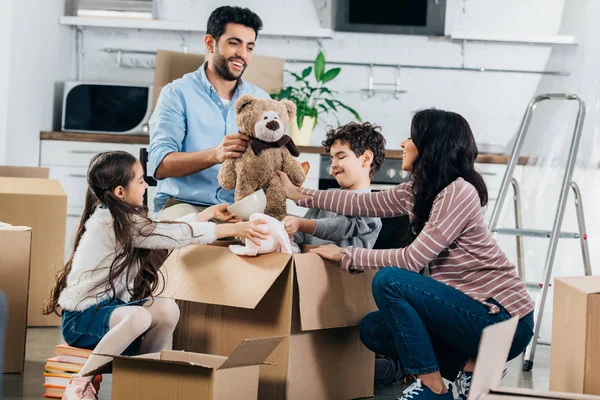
157 318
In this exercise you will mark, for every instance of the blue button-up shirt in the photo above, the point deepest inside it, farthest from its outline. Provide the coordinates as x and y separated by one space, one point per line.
190 116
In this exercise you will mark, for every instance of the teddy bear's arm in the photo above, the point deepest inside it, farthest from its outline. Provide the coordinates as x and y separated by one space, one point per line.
293 169
227 176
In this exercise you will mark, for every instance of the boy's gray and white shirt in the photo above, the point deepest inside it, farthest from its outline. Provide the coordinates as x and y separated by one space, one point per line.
98 247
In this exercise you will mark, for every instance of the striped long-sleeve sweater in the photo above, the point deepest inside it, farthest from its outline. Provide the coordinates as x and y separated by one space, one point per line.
455 243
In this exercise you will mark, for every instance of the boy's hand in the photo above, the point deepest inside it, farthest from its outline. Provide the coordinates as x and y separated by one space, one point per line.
291 225
329 252
292 191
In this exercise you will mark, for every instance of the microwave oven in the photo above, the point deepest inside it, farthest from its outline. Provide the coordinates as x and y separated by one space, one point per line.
403 17
95 107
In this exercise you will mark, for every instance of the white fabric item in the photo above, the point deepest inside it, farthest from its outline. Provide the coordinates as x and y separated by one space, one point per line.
225 101
278 239
97 250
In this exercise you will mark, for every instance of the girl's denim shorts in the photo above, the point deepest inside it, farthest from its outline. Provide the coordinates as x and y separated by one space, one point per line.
84 329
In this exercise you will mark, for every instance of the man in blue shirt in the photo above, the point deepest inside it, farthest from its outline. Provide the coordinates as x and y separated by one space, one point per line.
193 128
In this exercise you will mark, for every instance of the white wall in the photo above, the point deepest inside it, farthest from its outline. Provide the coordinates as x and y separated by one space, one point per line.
40 58
492 102
5 37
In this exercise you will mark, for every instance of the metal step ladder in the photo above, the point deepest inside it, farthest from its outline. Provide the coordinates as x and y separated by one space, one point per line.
555 233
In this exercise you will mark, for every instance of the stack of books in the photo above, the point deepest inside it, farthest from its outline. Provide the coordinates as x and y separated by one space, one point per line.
68 361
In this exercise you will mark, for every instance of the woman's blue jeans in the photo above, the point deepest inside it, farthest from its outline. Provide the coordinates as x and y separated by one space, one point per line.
430 326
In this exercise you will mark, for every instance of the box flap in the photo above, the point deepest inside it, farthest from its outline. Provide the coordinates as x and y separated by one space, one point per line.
493 352
24 172
214 275
584 284
519 392
252 352
329 296
264 72
7 227
33 186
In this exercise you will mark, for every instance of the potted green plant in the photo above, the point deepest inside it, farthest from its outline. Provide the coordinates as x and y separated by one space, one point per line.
312 100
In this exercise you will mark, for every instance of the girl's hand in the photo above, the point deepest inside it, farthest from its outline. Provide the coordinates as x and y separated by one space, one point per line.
329 252
218 212
255 231
292 191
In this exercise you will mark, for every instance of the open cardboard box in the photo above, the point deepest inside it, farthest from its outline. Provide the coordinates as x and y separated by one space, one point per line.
491 359
183 375
42 205
15 256
314 304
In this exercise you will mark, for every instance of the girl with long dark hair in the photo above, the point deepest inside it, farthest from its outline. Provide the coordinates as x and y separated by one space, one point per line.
105 292
432 325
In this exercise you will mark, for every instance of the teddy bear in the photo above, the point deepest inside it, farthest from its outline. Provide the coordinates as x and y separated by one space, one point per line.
270 150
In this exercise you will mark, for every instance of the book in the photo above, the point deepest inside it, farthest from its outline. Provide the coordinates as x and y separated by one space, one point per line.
54 364
57 379
65 349
54 392
71 359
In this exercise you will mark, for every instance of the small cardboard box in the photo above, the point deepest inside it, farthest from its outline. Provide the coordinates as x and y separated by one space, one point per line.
183 375
15 255
575 350
264 72
315 305
491 360
42 205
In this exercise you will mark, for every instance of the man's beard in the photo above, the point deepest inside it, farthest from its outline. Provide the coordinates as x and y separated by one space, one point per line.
222 67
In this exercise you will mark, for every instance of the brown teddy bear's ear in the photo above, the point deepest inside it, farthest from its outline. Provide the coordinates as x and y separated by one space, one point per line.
243 101
291 108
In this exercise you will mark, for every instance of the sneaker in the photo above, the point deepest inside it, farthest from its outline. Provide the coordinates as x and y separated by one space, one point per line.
80 388
463 383
417 391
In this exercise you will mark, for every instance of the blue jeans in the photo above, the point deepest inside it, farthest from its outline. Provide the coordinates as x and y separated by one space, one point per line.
430 326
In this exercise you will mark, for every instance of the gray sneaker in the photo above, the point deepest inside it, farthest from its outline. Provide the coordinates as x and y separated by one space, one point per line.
463 383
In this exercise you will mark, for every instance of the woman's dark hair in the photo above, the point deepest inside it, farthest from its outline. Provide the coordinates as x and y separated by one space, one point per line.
446 151
360 138
224 15
106 172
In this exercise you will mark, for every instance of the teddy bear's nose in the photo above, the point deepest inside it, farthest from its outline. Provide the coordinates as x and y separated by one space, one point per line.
273 125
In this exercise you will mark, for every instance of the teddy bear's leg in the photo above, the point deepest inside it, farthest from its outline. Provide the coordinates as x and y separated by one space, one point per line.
276 207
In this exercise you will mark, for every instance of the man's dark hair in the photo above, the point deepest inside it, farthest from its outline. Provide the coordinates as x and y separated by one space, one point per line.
360 138
222 16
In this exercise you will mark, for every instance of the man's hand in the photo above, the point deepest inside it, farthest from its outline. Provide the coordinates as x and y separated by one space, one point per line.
232 146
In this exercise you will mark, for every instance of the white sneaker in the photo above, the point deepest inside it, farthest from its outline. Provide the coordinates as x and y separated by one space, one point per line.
80 388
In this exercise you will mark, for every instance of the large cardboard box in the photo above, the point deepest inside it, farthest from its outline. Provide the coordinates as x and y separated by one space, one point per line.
315 305
264 72
42 205
575 350
491 359
14 282
184 375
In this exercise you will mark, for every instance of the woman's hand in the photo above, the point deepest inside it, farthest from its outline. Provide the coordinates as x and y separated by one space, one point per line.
329 252
218 212
292 191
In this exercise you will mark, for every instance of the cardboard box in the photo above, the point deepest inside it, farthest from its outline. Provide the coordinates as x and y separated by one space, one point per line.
14 282
184 375
315 305
491 360
42 205
575 350
9 171
264 72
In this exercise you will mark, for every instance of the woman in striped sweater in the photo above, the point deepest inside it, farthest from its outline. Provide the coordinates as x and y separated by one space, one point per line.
432 325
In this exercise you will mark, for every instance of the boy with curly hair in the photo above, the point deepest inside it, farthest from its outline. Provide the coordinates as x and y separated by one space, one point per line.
357 151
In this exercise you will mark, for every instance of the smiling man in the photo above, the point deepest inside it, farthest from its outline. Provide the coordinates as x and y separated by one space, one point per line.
193 128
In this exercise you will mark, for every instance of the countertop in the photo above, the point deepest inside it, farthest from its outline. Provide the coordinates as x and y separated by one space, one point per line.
484 158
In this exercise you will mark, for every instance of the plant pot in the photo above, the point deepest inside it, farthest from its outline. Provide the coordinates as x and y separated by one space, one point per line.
301 135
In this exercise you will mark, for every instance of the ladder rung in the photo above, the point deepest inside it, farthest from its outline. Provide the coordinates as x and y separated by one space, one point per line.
535 233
